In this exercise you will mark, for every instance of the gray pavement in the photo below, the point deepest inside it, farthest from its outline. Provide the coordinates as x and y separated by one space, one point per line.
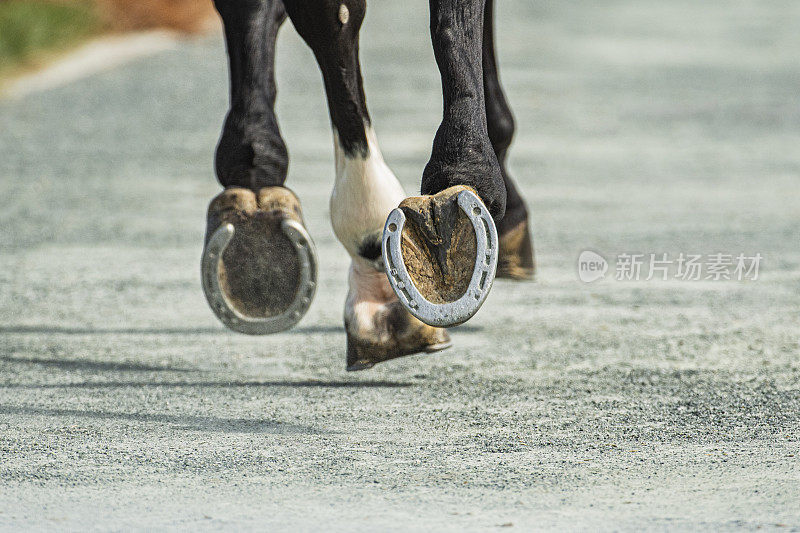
652 127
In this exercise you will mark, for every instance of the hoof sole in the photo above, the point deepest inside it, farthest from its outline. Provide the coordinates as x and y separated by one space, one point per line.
226 310
487 250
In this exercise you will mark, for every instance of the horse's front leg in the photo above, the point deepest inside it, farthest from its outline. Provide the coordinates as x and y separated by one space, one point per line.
442 248
365 191
259 264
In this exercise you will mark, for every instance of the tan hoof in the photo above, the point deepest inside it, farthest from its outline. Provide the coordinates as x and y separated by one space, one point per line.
441 254
378 327
516 254
259 263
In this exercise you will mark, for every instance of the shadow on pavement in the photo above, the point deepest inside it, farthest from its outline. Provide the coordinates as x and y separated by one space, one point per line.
60 330
212 384
200 423
82 364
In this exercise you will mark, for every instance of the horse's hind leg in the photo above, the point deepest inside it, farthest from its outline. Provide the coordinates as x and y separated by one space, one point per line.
378 327
516 246
259 264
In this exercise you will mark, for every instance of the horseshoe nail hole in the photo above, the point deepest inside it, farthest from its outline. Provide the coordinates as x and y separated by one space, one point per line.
488 239
392 227
306 301
483 281
477 295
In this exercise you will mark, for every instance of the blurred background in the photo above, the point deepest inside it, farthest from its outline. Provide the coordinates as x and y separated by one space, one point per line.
32 32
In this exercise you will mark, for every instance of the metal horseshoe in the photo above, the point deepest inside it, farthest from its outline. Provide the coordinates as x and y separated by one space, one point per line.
458 311
221 305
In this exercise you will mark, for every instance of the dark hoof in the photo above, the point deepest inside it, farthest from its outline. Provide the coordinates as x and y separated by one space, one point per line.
441 255
259 265
363 354
516 253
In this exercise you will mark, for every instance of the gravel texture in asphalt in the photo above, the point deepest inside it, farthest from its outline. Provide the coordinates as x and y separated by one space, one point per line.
643 127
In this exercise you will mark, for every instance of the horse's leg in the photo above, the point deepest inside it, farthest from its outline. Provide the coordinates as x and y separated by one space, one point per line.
378 327
259 265
516 247
443 247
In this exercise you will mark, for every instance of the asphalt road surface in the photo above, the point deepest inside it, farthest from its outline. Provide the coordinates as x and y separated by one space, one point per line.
646 127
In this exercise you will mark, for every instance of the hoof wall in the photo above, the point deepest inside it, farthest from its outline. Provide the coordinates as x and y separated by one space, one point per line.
365 357
516 254
360 365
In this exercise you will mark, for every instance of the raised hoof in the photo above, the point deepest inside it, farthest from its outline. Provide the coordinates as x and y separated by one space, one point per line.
413 337
259 265
378 327
364 357
516 253
441 255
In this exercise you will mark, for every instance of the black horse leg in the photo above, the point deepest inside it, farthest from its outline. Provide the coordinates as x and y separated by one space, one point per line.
462 152
259 264
446 241
516 248
251 152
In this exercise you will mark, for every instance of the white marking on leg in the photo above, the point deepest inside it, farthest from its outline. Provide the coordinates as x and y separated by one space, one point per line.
344 14
367 299
364 194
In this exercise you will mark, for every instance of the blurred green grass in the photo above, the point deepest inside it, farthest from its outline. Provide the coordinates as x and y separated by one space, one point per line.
32 29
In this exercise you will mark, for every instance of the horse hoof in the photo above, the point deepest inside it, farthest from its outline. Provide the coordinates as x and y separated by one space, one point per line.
441 255
365 356
516 253
259 265
364 353
378 327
